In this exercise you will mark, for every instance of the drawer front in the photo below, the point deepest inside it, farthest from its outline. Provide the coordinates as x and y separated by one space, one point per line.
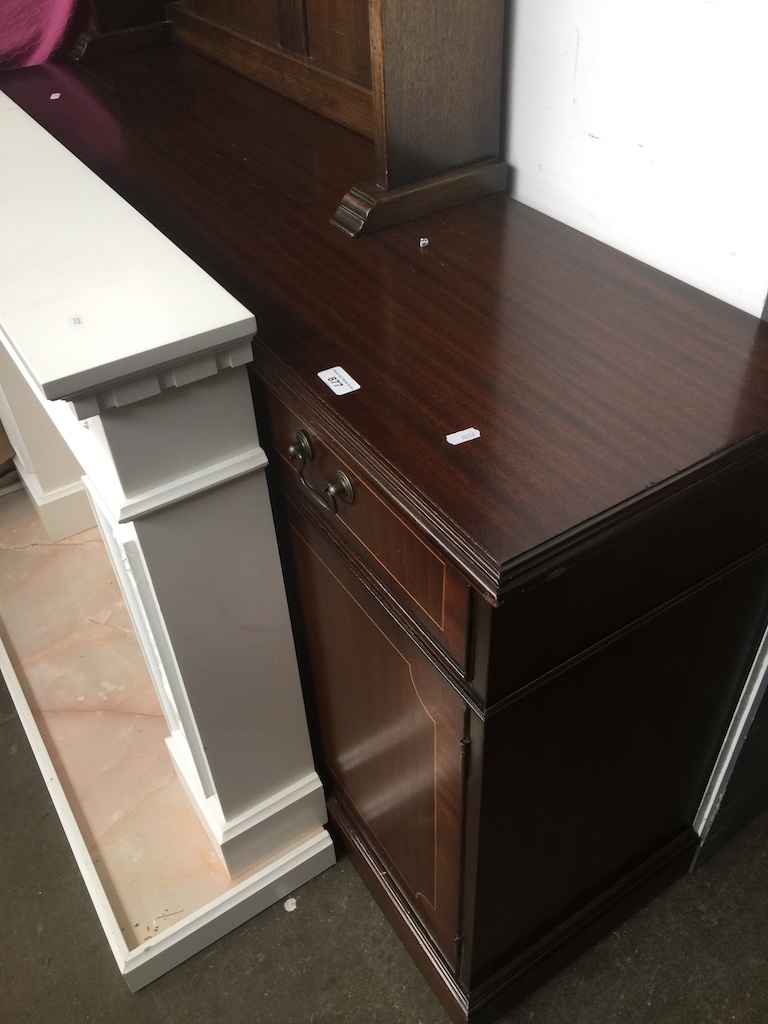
424 588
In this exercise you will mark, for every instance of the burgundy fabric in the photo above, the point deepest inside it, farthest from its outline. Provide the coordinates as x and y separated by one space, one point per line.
31 31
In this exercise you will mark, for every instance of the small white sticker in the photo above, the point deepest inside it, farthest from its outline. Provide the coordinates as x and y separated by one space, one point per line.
468 434
76 323
338 380
55 95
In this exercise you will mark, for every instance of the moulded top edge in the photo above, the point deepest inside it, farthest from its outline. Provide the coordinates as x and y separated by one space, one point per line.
89 289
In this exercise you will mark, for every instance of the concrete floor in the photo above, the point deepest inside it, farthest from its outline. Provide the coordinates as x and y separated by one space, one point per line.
698 954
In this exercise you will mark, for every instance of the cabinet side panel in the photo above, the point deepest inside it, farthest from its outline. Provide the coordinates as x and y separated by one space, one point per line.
670 549
338 37
593 773
441 77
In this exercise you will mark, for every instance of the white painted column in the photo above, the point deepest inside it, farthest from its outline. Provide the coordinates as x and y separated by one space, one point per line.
177 484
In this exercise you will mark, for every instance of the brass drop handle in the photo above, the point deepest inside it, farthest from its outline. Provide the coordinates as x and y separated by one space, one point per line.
340 487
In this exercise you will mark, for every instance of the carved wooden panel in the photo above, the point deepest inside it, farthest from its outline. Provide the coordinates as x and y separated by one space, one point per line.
314 51
423 79
257 21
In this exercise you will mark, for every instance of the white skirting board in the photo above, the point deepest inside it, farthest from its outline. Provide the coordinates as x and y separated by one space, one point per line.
63 512
159 954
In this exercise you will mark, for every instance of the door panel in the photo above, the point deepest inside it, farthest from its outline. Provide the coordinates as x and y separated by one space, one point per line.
391 729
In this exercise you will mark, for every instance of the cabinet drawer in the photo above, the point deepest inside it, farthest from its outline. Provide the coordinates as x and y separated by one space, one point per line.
409 573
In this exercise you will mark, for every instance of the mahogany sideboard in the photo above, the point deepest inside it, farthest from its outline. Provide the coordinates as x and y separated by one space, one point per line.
524 653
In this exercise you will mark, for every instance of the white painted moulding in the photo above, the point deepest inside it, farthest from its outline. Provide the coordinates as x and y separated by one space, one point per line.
83 323
248 838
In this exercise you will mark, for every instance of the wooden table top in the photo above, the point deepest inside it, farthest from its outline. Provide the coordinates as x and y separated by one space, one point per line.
598 385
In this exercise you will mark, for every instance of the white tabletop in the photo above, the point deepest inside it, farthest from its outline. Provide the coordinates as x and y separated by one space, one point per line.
91 294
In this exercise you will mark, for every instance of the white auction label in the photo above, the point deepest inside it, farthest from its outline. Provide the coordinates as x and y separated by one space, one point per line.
338 380
468 434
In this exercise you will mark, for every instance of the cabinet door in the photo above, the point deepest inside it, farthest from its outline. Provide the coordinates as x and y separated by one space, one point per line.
391 730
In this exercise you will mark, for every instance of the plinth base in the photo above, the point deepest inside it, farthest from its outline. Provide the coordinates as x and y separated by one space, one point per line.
369 207
82 692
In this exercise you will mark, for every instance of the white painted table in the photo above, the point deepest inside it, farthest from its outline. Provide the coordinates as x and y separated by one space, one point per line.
139 358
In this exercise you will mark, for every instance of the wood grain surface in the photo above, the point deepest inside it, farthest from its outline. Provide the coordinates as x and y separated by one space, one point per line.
598 385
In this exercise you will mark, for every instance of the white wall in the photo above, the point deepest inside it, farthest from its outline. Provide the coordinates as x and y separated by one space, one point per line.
644 125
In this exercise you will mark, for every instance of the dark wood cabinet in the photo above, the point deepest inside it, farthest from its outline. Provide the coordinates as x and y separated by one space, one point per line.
514 776
523 651
422 79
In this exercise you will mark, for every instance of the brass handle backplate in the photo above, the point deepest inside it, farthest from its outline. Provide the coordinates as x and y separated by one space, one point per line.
339 487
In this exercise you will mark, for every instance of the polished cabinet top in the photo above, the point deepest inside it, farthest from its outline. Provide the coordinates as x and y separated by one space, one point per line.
597 386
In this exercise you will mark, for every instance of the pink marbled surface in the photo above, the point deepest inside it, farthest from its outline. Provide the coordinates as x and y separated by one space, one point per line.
69 636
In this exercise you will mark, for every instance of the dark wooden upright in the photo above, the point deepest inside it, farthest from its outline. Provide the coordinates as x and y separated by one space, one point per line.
522 651
421 77
436 74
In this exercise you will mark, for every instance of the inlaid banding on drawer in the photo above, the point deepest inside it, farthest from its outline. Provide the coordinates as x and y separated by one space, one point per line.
380 532
427 588
398 550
